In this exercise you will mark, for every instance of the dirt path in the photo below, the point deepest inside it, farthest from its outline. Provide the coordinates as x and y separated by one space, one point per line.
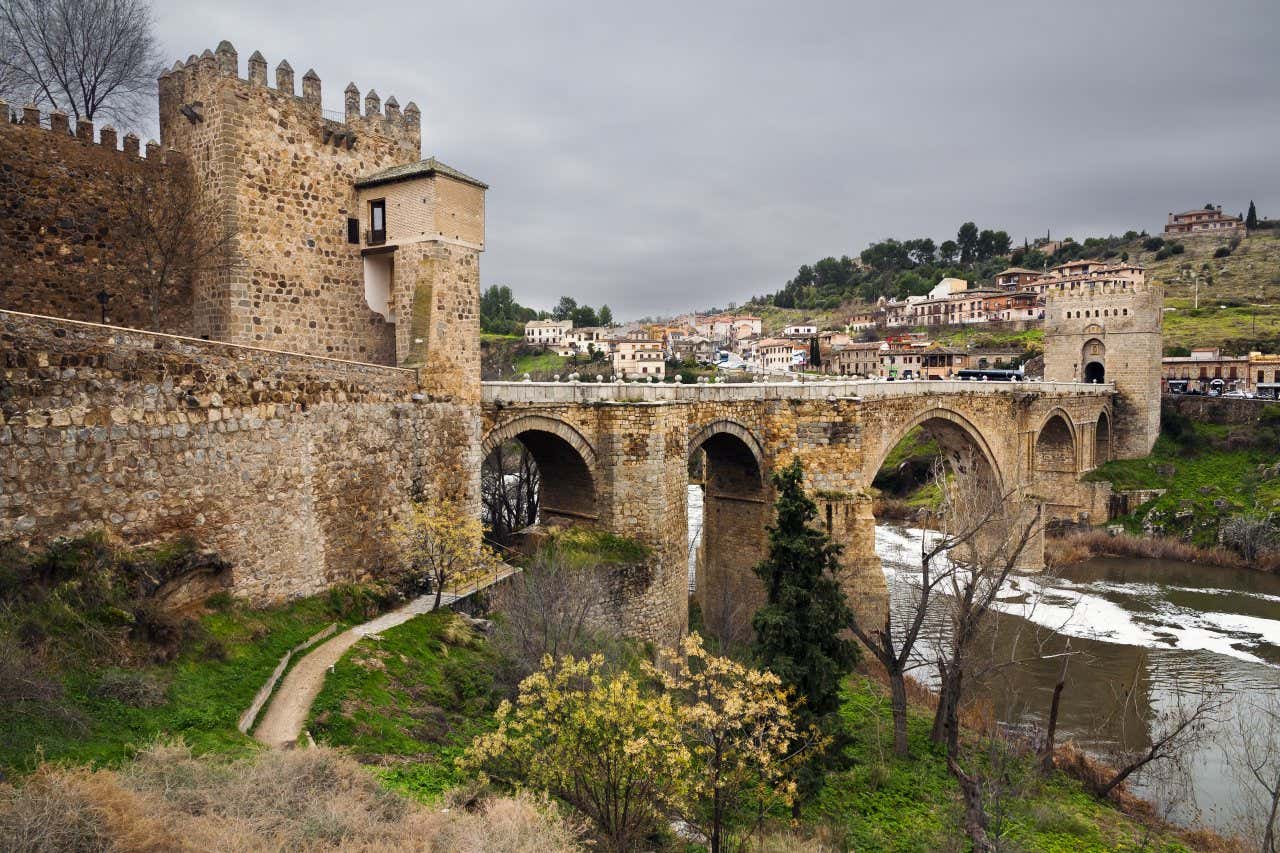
286 714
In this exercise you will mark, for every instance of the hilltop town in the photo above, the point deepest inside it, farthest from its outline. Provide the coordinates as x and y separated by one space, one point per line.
960 328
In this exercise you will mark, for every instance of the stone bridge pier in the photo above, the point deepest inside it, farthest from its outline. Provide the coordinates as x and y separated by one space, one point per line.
617 457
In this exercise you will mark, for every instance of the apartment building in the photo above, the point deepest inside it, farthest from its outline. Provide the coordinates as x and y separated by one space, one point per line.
638 358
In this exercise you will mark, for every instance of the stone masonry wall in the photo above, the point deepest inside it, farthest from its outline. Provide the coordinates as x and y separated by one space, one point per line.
1124 322
285 176
293 468
64 200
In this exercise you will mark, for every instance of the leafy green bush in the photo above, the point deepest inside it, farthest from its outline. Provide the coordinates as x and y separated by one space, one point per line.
91 597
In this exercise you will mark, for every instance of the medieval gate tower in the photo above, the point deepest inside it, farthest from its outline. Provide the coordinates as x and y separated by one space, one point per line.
345 242
1110 332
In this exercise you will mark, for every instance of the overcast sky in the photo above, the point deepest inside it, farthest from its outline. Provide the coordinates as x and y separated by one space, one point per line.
662 156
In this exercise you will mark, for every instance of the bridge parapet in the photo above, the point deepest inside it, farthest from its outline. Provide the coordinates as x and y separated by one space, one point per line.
560 393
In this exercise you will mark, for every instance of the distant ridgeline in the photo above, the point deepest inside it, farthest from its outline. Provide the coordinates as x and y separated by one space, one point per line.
895 269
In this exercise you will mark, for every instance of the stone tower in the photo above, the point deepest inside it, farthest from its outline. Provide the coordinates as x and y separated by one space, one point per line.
1109 331
309 269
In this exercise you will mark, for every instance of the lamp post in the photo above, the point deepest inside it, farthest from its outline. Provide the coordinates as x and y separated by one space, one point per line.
103 299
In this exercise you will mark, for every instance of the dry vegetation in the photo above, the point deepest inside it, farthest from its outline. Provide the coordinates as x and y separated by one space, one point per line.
310 800
1080 545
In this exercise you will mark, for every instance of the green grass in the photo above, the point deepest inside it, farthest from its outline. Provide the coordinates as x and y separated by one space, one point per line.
413 700
205 697
1028 340
885 803
543 362
1204 464
596 546
1235 328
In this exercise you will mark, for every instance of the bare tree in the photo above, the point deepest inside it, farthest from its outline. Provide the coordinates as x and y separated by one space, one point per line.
509 483
898 656
548 609
171 230
81 56
1173 732
1255 750
992 528
1051 727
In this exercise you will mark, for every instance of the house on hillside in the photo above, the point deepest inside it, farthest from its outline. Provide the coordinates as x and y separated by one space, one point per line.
1209 221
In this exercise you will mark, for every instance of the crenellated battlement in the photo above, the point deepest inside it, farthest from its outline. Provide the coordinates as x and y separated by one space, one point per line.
59 123
187 88
1089 291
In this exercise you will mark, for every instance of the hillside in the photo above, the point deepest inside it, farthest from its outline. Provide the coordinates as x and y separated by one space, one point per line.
1239 295
1251 273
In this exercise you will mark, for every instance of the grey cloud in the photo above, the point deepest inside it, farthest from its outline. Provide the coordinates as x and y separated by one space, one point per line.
664 156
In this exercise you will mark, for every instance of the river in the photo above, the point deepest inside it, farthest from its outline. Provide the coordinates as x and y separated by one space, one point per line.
1175 628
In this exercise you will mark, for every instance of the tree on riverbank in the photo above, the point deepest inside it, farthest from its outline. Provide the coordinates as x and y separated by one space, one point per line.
897 654
1255 752
992 530
798 630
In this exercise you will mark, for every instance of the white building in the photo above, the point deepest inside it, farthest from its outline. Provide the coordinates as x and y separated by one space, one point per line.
584 340
546 333
775 355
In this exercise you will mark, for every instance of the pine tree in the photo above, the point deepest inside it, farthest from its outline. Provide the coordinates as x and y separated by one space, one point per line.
798 630
1251 221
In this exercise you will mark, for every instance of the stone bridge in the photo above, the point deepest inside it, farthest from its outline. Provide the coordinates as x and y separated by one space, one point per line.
616 457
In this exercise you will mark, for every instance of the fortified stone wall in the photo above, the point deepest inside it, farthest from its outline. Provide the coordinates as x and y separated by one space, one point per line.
292 467
66 202
1218 410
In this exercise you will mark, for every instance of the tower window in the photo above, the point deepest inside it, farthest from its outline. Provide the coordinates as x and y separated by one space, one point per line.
353 230
377 222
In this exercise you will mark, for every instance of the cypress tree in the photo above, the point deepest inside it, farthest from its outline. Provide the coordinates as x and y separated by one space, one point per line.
1251 221
798 629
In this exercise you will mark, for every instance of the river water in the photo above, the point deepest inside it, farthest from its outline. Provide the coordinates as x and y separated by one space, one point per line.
1172 628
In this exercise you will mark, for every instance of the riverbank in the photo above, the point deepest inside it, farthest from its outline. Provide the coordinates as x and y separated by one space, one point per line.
1056 801
1077 546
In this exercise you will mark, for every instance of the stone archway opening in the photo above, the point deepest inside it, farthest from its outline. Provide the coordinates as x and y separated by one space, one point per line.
1102 440
908 480
536 475
1093 357
1055 451
727 530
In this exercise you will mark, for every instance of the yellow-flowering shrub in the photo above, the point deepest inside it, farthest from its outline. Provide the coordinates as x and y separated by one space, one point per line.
605 745
737 726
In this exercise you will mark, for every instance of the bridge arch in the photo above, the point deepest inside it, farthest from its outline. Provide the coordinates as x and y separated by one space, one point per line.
1102 439
566 462
733 428
1057 445
954 431
735 506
